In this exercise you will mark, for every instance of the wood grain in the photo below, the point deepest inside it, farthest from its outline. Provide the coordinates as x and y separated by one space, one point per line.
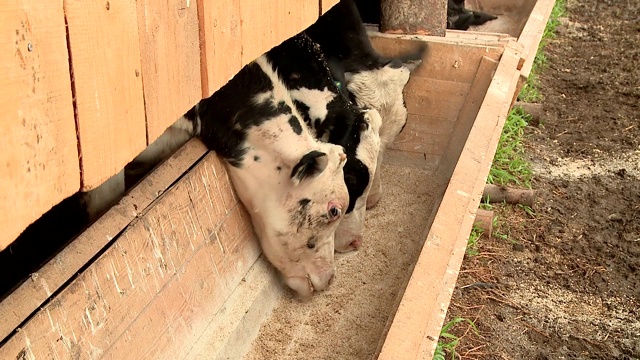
267 24
40 159
446 59
424 134
31 295
145 280
326 5
220 42
105 58
438 98
532 32
170 55
413 333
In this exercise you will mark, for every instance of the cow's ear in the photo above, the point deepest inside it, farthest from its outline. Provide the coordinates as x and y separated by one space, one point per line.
311 164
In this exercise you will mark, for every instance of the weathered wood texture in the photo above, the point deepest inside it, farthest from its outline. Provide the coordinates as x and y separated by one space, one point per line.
422 17
40 154
129 68
164 278
105 58
31 295
234 33
533 30
413 332
440 93
170 54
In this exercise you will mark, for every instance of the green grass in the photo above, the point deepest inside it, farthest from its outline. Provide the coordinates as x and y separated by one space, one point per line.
509 165
472 242
530 90
447 342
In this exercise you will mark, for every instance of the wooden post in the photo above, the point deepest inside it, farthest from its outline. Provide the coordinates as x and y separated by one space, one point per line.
484 219
422 17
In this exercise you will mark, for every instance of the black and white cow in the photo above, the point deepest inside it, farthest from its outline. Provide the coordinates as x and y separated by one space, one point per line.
335 119
370 79
291 184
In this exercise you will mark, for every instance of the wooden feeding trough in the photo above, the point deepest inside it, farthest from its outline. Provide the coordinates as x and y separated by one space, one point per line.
181 275
174 269
524 20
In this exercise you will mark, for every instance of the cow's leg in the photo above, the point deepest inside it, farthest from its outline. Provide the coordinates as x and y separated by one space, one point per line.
375 194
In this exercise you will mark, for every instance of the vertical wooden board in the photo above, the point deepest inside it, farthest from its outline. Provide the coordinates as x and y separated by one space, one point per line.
105 58
40 159
326 5
170 55
267 24
220 42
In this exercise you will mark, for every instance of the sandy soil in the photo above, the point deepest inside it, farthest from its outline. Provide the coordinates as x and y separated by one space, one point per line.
566 282
346 321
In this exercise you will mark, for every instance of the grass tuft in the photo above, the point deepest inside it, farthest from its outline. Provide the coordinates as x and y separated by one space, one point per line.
472 242
530 90
509 165
447 342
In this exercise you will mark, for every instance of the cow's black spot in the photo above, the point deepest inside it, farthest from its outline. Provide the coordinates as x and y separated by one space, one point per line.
278 168
304 202
256 158
227 115
303 109
356 177
295 125
301 215
310 164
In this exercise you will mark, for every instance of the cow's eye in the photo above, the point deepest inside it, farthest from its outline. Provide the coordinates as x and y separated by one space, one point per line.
334 213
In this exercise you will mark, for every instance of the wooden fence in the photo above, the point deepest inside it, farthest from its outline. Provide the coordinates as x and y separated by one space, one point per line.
85 86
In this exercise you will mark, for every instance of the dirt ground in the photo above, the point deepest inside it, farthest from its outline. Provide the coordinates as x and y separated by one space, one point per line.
565 284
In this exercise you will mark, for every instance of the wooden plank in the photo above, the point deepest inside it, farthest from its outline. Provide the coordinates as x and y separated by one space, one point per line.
444 59
100 304
31 295
469 35
108 86
40 159
438 98
468 115
531 34
414 331
425 134
326 5
267 24
170 55
183 311
221 42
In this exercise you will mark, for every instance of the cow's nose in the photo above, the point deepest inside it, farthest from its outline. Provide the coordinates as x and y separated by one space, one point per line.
356 242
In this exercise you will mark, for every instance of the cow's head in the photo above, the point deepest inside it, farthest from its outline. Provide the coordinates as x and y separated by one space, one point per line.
382 89
349 234
296 212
